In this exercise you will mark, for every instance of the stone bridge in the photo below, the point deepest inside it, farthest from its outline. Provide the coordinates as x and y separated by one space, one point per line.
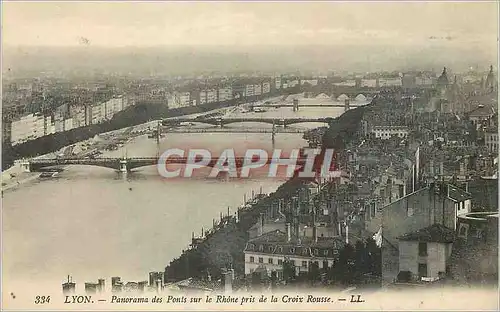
225 121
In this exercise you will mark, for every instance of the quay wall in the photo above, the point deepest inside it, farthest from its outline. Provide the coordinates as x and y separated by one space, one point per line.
224 248
134 115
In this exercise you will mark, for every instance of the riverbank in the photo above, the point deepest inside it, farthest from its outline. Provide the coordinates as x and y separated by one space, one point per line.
140 113
224 247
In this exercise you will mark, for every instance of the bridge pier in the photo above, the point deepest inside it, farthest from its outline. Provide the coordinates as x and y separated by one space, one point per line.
123 165
26 165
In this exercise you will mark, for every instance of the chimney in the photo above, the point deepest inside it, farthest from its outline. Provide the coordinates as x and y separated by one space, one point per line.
288 232
228 282
315 233
260 225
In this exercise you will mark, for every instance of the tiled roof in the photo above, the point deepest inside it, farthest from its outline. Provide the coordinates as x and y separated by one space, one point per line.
436 233
276 242
482 111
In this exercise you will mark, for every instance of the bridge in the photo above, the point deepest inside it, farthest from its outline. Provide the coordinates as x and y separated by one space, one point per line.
235 130
126 164
225 121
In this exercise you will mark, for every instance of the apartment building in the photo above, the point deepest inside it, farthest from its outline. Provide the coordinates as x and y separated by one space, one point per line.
225 94
390 82
368 83
491 139
266 87
277 83
28 127
269 251
249 90
257 89
182 99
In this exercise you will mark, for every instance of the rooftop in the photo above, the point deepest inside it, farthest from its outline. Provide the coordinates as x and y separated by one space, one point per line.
435 233
458 194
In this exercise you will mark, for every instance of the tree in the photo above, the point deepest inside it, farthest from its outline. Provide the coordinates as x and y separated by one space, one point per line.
374 257
288 271
314 272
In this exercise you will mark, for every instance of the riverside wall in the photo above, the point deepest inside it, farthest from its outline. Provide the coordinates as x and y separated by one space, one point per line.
224 248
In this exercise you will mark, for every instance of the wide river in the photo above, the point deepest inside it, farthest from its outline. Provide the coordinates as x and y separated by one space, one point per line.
93 222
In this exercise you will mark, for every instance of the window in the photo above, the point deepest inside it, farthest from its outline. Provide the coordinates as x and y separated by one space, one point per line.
316 252
280 249
280 262
335 252
270 248
261 260
252 259
292 250
325 252
261 248
270 260
304 264
422 249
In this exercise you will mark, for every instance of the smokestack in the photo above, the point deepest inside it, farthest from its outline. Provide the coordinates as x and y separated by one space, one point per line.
315 234
260 225
288 232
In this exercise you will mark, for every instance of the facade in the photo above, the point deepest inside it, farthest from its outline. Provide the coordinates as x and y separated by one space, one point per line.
225 94
27 128
96 113
480 115
269 251
277 83
257 89
368 83
386 132
182 99
266 87
491 139
249 90
436 203
390 82
426 253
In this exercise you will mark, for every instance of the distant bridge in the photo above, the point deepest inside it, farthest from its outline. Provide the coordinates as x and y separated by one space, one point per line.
234 130
224 121
125 164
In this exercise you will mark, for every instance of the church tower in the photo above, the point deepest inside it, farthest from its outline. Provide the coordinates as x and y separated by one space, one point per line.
490 84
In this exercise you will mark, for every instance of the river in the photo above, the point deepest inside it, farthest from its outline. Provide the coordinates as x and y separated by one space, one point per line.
93 222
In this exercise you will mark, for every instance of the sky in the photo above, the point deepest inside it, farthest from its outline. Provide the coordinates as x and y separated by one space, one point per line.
118 24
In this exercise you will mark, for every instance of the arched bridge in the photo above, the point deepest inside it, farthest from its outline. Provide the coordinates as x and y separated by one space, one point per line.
126 164
225 121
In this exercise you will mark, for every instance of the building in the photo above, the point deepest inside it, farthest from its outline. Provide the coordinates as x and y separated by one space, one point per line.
475 250
491 139
481 114
426 253
257 89
182 99
249 90
277 83
312 82
387 132
408 81
437 203
28 127
269 251
266 87
225 94
368 83
6 132
389 82
156 279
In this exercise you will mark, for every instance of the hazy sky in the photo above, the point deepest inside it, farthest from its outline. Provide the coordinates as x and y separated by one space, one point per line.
243 23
